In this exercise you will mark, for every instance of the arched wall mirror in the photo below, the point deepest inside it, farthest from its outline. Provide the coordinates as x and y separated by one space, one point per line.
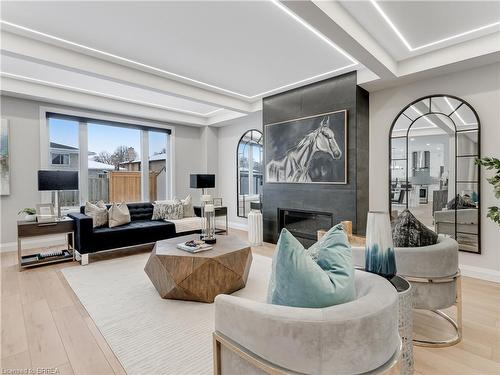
249 156
434 142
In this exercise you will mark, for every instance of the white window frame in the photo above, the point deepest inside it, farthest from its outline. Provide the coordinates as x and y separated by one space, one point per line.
45 161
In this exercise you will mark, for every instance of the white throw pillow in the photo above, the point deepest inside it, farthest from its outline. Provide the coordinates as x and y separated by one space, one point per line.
118 215
98 212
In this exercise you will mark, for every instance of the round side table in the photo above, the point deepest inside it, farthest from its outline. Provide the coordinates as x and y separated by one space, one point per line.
405 322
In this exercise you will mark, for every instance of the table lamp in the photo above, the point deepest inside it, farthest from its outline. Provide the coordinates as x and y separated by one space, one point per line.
57 181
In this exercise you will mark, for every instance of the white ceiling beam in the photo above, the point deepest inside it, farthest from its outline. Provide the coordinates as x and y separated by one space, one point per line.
65 58
50 94
333 21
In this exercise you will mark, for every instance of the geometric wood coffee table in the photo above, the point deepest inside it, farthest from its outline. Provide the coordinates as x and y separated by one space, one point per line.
178 274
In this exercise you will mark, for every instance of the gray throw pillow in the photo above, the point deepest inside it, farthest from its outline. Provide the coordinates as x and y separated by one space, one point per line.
168 211
407 231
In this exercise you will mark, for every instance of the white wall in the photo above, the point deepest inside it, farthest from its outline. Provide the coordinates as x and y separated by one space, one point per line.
480 87
24 119
228 138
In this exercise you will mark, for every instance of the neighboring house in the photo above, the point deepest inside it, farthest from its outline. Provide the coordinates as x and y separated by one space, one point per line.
64 156
156 163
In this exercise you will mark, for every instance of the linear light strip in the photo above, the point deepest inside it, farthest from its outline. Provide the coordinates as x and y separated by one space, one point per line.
248 97
313 30
407 44
102 94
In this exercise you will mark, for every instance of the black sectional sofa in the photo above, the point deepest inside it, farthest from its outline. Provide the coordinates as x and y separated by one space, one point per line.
141 230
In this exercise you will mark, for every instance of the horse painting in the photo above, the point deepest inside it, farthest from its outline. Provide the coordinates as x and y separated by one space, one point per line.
298 163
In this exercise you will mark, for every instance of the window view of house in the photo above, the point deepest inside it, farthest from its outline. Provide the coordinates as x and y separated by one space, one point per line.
109 148
64 154
114 165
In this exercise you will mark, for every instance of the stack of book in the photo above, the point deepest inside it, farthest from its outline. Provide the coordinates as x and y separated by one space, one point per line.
194 246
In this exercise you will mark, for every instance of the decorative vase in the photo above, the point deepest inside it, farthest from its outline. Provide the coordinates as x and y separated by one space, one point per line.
255 234
379 248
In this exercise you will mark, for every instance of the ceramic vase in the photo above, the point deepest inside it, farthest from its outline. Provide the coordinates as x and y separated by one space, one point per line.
379 248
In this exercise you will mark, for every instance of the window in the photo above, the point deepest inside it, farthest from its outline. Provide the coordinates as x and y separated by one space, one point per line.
158 186
59 159
114 163
110 159
63 154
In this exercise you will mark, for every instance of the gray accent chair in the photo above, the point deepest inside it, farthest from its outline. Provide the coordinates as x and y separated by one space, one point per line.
359 337
435 278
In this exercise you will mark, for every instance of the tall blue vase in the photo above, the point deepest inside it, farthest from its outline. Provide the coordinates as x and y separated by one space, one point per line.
379 248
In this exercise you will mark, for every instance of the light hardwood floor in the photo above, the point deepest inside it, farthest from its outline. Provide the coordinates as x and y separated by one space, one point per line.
44 325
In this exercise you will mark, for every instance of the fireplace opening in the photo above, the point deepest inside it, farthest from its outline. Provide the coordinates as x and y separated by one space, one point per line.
304 225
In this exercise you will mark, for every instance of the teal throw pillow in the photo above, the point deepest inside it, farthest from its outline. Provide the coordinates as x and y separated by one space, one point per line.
320 276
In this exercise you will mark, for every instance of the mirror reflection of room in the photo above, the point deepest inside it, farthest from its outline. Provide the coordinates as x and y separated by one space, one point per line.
434 144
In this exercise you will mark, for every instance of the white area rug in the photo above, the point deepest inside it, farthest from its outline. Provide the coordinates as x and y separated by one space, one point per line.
148 334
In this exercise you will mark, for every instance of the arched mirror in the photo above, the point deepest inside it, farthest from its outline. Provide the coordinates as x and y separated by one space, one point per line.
249 170
434 142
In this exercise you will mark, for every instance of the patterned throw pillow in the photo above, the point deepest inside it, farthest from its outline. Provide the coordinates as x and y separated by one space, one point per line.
98 212
168 211
407 231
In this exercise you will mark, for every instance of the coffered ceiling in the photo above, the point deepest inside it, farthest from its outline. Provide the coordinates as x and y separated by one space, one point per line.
203 62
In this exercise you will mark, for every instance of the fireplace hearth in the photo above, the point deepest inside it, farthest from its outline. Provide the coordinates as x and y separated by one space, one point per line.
304 224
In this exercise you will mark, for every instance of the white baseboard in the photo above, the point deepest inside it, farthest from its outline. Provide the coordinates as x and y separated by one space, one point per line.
46 241
480 273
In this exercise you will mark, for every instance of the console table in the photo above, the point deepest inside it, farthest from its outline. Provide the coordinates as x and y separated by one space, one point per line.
219 212
31 229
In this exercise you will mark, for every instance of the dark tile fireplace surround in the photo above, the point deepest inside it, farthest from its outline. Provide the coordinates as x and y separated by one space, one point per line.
305 208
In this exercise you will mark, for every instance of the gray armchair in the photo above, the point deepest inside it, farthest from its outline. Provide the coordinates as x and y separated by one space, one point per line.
353 338
435 277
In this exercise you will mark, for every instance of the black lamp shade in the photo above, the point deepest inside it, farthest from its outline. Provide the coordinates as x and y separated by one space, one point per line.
57 180
202 181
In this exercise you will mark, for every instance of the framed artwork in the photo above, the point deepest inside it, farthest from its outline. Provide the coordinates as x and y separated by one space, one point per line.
307 150
4 158
45 213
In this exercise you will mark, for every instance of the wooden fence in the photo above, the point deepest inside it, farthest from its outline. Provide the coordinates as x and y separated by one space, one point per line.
118 186
126 186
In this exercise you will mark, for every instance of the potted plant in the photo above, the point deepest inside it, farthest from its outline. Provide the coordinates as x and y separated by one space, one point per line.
493 163
30 214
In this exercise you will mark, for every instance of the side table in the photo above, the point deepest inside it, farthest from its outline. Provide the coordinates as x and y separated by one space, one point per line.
30 229
219 211
405 322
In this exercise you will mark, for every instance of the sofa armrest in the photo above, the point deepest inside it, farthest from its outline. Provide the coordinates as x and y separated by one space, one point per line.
83 231
272 332
313 341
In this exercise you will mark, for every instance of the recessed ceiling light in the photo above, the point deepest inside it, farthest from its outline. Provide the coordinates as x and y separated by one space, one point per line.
412 139
105 95
438 148
197 82
427 144
407 44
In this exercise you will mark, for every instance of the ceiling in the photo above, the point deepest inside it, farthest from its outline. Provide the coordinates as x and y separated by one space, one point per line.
423 23
202 63
245 48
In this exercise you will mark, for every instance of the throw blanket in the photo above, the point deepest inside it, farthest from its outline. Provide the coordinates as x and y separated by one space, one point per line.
187 224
